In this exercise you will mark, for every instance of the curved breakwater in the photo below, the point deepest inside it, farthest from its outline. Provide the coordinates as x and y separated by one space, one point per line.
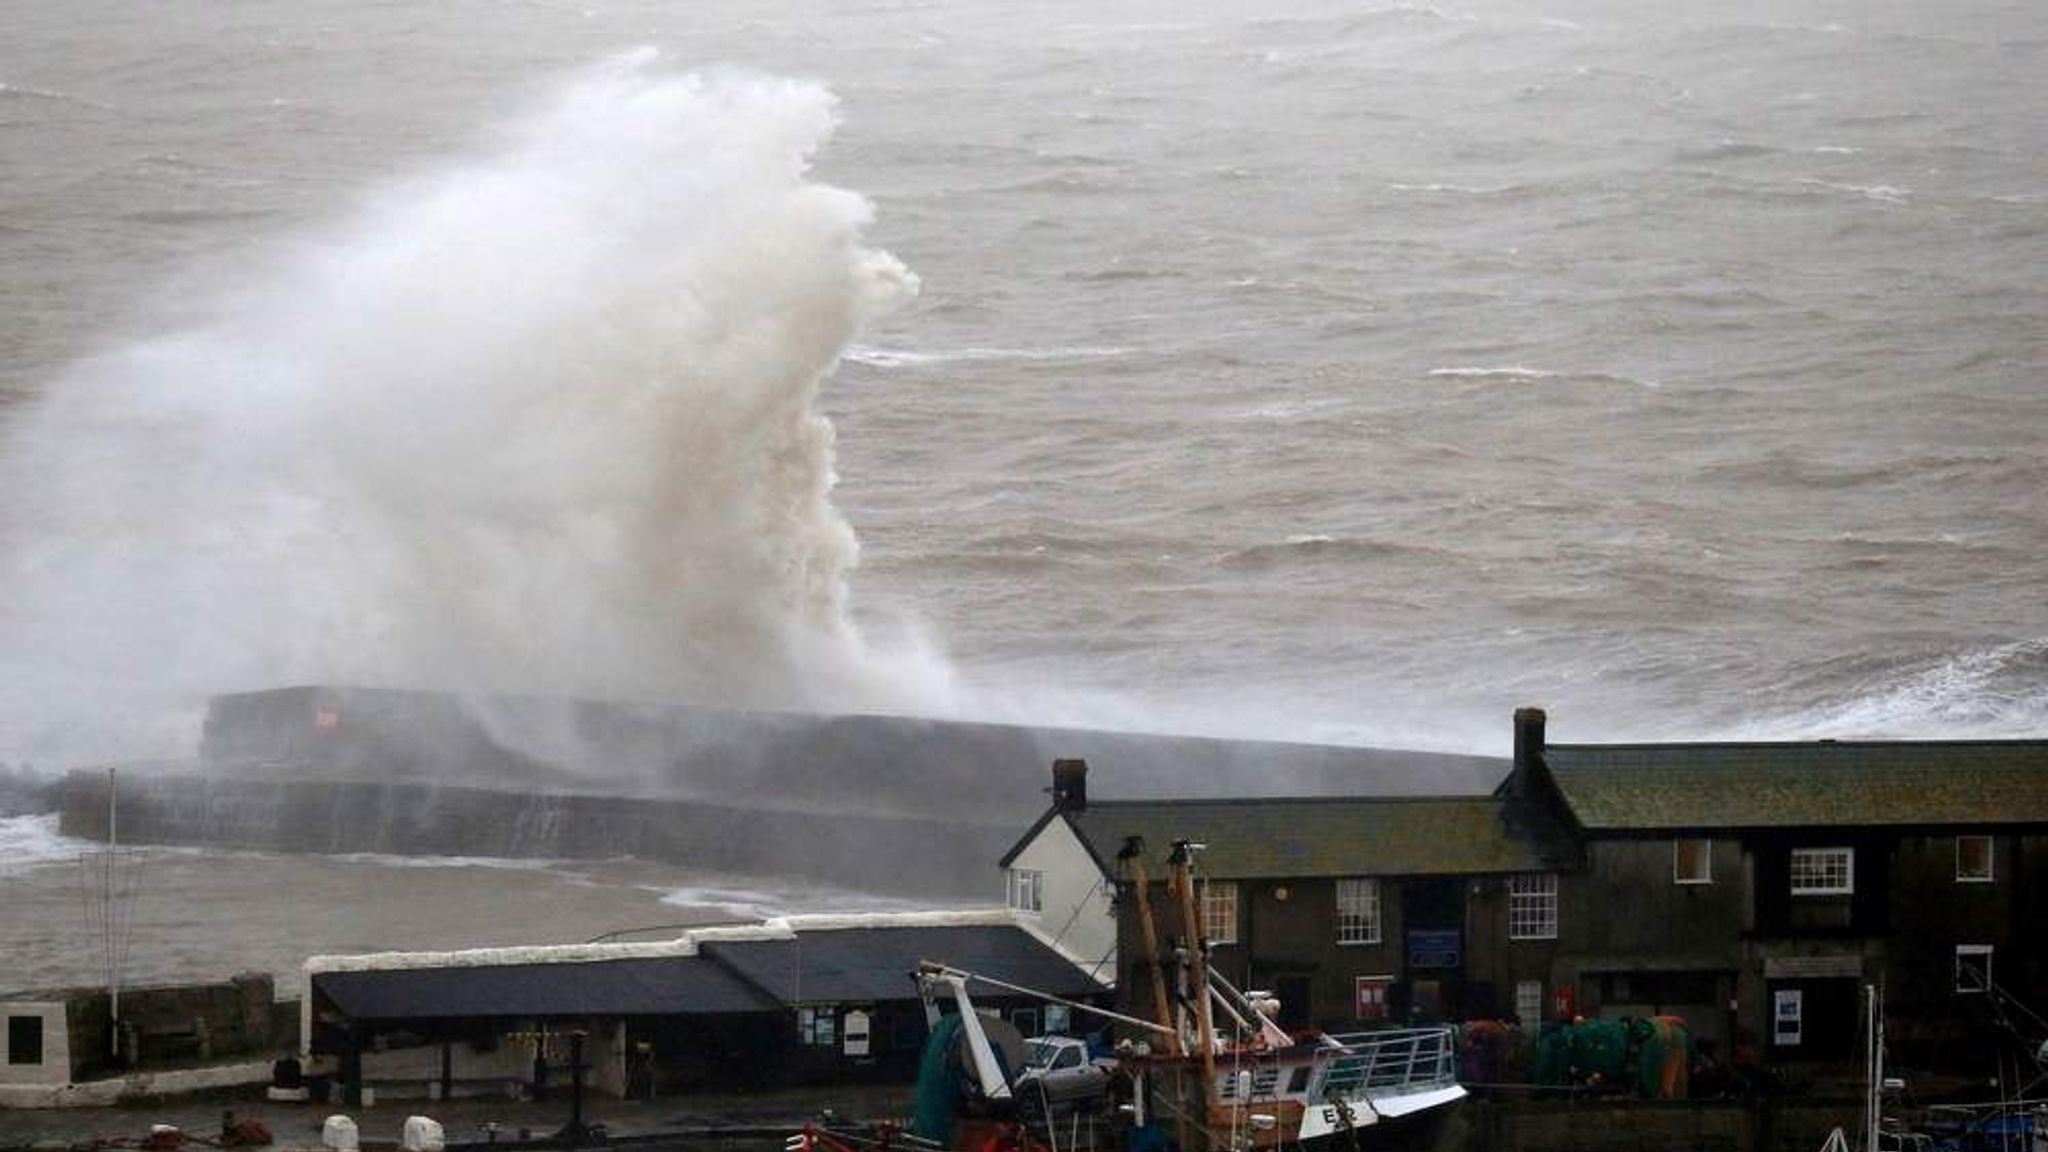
910 855
878 803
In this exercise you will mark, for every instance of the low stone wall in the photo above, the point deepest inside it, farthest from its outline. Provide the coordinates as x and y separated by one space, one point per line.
181 1025
140 1086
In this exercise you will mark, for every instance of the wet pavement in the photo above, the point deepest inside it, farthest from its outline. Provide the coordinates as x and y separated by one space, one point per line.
698 1121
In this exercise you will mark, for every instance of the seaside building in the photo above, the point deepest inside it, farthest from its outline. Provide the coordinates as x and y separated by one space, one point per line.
1781 878
1752 889
805 999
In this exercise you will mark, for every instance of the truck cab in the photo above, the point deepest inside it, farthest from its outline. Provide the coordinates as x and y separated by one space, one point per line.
1060 1077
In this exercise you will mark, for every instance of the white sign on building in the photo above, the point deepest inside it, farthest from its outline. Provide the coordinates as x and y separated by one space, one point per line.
1786 1016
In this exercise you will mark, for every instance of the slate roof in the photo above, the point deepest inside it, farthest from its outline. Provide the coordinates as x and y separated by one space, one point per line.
1653 787
843 965
1296 837
676 985
865 964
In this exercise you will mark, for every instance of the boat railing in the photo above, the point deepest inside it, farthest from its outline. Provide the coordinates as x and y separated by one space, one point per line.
1395 1060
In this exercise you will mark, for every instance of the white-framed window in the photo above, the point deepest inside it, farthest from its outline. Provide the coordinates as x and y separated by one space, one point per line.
1973 860
1823 871
1692 861
1532 906
1529 1003
1026 890
1973 967
1358 910
1219 911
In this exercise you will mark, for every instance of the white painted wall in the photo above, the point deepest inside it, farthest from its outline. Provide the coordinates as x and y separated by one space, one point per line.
406 1073
1076 915
412 1073
55 1067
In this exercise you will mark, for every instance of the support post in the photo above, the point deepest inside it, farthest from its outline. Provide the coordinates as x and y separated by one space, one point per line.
352 1069
576 1130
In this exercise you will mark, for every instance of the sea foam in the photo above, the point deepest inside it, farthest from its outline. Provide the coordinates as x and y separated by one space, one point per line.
33 841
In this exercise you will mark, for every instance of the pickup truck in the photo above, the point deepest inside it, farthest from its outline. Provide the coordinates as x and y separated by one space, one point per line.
1059 1078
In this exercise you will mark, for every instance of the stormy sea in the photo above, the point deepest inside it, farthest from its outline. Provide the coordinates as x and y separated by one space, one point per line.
1299 370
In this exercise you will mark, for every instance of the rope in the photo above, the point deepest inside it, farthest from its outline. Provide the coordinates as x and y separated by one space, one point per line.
1076 913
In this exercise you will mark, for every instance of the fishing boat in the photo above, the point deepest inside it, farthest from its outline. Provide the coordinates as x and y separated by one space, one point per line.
1210 1072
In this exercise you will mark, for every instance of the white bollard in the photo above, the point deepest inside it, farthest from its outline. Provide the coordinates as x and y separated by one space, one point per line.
339 1134
423 1135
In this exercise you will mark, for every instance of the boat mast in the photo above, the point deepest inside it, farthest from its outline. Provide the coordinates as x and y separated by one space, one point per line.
1134 854
1183 860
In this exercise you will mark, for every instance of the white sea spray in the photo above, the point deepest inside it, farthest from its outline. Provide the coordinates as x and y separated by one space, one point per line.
544 419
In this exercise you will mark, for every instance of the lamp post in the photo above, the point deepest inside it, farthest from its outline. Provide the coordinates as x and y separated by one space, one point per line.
576 1130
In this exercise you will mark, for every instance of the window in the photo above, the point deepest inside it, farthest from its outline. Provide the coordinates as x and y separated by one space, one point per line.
1027 890
1219 911
1025 1021
1358 911
24 1039
1532 906
1973 860
817 1026
1692 861
1056 1020
1973 967
1529 1002
1823 871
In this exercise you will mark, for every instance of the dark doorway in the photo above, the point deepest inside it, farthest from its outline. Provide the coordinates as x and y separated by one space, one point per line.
1433 930
1296 1013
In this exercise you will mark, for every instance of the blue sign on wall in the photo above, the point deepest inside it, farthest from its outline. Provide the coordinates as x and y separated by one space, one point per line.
1435 948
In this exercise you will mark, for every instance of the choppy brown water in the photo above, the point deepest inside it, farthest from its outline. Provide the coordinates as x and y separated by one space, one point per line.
195 915
1298 369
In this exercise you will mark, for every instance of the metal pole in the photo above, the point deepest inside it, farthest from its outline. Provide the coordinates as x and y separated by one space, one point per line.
575 1130
107 922
942 972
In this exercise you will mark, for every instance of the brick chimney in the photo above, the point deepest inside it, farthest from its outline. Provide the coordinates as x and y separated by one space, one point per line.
1070 785
1528 737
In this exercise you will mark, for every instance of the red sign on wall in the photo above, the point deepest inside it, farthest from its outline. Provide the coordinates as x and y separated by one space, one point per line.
1371 997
